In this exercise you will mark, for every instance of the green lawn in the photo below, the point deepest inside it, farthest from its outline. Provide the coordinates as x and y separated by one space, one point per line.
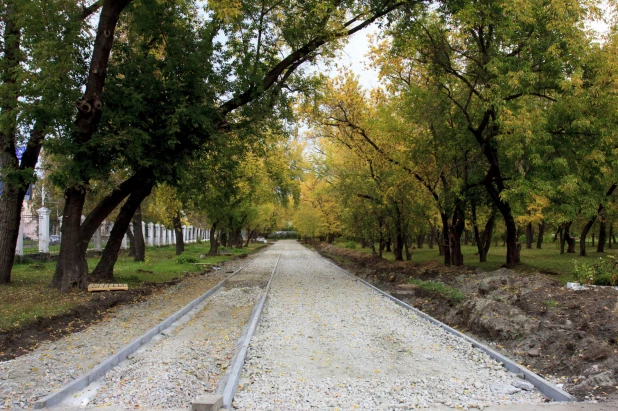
548 258
29 297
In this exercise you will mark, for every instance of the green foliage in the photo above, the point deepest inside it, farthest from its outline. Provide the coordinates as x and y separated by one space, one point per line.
603 271
453 294
186 260
350 244
550 303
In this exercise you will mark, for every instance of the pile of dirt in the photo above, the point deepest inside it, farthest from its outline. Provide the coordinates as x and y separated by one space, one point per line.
568 336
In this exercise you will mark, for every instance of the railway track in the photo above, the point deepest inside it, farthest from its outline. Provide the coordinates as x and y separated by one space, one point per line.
192 356
326 341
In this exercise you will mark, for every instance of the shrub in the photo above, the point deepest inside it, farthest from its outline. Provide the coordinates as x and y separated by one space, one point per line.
603 271
454 294
350 244
182 260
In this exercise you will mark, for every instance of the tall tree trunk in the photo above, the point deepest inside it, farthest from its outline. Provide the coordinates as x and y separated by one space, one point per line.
249 237
539 238
584 234
388 245
431 237
558 234
72 269
398 246
214 241
455 232
180 241
408 247
419 241
131 241
13 192
140 247
483 242
529 236
73 248
602 236
104 271
513 246
611 235
566 238
593 238
445 240
588 226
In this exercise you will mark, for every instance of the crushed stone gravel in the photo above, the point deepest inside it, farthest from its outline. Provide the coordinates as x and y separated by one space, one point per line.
326 341
31 377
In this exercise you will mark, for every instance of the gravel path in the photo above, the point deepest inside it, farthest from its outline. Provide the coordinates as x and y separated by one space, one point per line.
327 342
33 376
190 360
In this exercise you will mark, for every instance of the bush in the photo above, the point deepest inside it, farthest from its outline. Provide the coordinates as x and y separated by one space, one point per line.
604 271
350 244
454 294
182 260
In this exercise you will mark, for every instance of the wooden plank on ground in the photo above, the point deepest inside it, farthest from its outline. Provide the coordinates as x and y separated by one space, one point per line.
107 287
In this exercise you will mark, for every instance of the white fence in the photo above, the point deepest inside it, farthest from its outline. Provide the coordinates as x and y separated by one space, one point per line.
34 235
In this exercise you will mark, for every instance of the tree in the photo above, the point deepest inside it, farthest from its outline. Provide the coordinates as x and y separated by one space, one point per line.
39 67
259 77
499 74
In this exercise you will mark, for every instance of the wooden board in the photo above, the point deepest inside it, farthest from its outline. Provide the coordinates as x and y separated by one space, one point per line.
107 287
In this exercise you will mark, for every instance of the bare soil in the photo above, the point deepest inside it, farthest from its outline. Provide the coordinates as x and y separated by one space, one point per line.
570 337
20 341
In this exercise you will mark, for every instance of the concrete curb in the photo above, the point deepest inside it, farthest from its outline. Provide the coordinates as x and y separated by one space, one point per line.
97 372
539 382
229 385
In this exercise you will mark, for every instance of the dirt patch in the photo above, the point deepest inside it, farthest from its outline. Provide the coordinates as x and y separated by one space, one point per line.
568 336
19 341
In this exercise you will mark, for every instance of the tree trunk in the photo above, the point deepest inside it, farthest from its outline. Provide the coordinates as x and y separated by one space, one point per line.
483 242
455 232
419 241
140 247
388 245
431 237
566 238
104 271
611 235
373 248
446 248
12 196
558 235
466 237
593 238
214 241
539 238
529 236
408 247
602 236
398 247
131 242
584 234
10 216
72 268
180 241
78 244
513 247
249 237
